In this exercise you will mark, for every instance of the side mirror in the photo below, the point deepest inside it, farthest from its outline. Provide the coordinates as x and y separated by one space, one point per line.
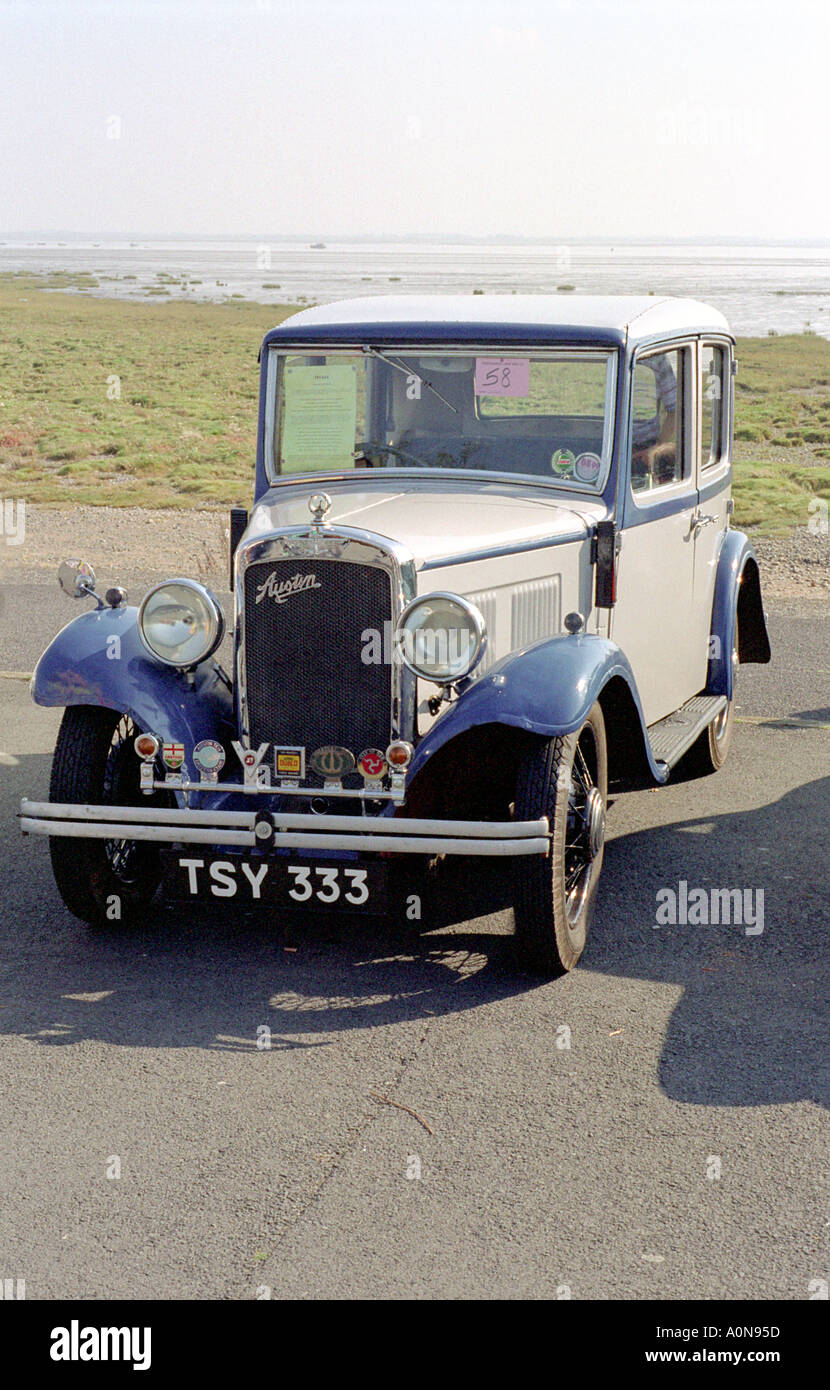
77 578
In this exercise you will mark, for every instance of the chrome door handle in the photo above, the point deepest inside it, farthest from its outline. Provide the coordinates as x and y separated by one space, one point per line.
699 520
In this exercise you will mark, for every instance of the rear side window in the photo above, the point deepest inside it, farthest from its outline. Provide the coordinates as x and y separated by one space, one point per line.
659 427
714 403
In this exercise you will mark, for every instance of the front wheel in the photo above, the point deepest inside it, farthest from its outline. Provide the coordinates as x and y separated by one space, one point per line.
565 779
101 881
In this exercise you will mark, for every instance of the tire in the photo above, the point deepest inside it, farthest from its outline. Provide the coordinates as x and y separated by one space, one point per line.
95 763
565 779
709 751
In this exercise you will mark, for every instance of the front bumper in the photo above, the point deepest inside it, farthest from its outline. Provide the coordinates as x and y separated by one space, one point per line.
283 830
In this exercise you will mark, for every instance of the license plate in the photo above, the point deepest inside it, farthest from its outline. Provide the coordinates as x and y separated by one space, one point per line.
301 884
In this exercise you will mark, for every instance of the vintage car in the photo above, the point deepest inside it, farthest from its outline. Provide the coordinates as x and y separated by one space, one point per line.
488 574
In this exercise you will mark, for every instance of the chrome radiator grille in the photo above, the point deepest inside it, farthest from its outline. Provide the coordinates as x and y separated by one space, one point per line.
306 682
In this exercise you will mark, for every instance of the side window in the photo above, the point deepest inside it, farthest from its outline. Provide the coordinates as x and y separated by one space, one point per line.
659 439
714 403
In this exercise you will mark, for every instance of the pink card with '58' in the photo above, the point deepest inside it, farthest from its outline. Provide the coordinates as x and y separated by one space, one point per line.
502 376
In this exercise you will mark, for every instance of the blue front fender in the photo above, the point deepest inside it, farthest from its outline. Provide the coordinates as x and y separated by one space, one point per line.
545 689
98 659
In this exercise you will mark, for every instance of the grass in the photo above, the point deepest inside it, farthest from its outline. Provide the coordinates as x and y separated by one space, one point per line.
782 430
127 403
782 391
182 431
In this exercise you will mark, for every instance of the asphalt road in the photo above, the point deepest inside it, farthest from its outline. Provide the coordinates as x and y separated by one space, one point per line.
654 1125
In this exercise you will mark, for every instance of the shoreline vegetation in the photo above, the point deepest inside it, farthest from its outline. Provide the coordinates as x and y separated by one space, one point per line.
130 404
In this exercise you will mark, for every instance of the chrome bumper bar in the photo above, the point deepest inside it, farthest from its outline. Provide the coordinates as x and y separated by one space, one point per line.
284 830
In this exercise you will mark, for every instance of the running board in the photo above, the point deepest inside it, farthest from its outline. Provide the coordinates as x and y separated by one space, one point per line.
673 736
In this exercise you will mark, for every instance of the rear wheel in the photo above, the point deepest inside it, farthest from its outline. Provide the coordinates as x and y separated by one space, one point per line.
565 779
708 752
101 881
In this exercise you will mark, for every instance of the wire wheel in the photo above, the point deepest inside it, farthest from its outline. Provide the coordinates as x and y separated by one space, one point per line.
101 881
120 789
565 779
585 832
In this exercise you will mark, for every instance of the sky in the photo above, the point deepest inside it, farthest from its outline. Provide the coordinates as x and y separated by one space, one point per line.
542 118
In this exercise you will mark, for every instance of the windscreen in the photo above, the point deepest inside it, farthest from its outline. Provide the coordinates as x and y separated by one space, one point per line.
546 414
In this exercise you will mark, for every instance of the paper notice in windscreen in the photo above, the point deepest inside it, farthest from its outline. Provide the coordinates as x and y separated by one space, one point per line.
320 417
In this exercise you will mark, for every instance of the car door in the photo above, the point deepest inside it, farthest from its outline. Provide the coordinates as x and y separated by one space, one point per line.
655 620
714 470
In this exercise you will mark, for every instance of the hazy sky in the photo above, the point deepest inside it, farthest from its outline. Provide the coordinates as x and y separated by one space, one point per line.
267 117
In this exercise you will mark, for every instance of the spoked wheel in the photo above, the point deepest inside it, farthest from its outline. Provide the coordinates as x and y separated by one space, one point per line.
565 779
101 881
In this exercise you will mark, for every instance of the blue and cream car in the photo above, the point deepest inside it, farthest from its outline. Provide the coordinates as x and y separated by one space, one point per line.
488 574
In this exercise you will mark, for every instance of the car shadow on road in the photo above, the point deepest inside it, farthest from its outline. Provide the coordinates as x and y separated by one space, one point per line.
197 976
748 1029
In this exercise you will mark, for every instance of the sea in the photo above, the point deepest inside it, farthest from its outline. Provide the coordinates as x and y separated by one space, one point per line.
761 287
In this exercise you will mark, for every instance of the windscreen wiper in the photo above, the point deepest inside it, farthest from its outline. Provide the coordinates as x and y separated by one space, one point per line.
410 371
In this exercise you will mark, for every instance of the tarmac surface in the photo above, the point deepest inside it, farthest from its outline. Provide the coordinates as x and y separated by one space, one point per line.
429 1121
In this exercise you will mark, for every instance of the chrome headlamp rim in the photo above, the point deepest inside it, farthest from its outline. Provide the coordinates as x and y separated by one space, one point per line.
479 626
216 629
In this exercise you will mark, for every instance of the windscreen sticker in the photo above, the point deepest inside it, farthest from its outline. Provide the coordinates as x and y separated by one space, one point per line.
320 416
502 376
587 467
562 463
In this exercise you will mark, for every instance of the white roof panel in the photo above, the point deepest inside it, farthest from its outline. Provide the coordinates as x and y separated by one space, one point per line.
640 316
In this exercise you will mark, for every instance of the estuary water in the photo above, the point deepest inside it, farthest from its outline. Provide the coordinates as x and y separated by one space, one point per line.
760 287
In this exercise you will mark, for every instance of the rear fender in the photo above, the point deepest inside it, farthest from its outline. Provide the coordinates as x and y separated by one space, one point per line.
737 594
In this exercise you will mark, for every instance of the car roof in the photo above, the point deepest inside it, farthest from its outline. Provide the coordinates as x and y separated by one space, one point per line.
607 319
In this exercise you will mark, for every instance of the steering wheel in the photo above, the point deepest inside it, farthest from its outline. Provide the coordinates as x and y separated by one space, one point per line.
370 447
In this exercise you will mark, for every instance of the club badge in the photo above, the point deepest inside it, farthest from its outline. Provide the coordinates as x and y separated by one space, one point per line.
289 764
255 774
172 755
209 758
331 763
371 765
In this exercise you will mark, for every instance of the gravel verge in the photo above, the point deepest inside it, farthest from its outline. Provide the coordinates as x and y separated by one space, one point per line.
794 566
124 542
120 543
